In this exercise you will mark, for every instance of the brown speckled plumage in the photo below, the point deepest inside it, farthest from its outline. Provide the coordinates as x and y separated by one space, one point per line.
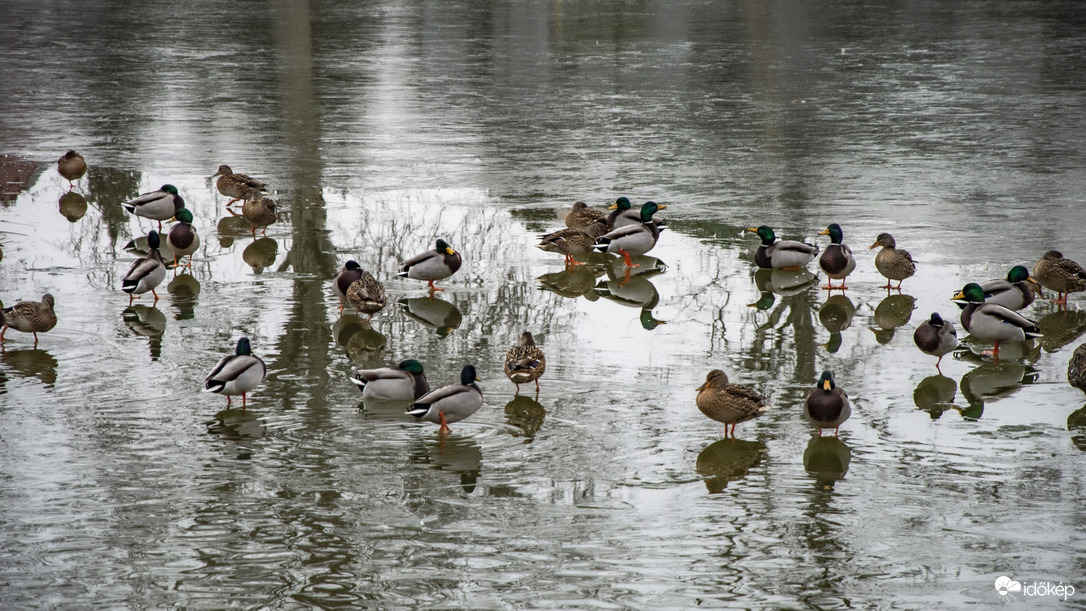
1058 273
237 186
892 262
30 317
728 403
525 362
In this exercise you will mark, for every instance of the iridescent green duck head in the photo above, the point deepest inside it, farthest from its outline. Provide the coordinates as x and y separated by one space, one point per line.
825 381
183 215
764 232
411 366
970 293
648 209
621 203
835 233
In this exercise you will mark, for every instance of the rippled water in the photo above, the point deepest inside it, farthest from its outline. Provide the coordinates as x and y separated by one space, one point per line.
957 127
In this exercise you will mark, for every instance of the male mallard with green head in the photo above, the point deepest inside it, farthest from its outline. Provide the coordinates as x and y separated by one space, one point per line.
404 382
146 273
236 374
436 264
781 254
827 406
350 272
624 214
892 262
159 205
632 240
990 322
1016 291
936 337
451 403
837 260
728 403
182 238
1058 273
525 362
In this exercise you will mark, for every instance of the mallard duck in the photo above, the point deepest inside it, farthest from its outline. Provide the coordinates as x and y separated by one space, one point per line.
450 403
580 215
632 240
837 260
147 272
728 403
892 262
182 238
350 272
236 374
72 167
993 323
436 264
936 337
1076 368
570 242
1058 273
1015 292
624 214
159 205
366 295
827 406
404 382
237 186
260 211
781 254
29 317
525 362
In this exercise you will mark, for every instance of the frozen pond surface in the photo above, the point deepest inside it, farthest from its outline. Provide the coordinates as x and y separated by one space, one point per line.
957 127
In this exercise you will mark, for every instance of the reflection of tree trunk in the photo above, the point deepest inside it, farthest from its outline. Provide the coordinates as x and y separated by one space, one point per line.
303 347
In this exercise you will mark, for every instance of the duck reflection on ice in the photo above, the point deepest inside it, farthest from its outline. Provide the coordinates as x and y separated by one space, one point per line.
260 254
892 312
827 459
72 206
573 283
236 424
784 282
836 316
1060 328
525 413
364 344
631 287
1076 423
32 362
229 228
184 292
935 394
993 380
452 452
728 460
149 322
433 312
